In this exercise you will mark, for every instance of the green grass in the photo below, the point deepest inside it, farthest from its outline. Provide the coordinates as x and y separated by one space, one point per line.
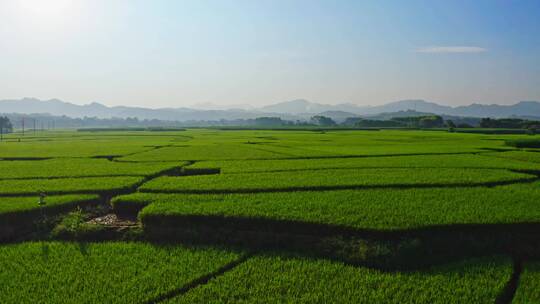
423 161
528 291
68 185
266 279
119 272
79 167
379 209
527 156
346 178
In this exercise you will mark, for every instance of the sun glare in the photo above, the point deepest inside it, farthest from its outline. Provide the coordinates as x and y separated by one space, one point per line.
47 16
45 11
45 8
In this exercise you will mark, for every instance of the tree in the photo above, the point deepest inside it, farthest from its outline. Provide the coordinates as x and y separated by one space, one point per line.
5 125
433 121
450 124
372 123
269 121
351 121
506 123
430 121
324 121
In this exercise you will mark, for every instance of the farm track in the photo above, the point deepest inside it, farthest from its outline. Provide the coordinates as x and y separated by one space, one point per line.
201 280
507 294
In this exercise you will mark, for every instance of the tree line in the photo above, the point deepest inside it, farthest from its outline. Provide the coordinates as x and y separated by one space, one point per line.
10 122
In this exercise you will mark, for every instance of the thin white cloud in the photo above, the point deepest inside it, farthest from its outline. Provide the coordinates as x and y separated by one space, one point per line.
451 49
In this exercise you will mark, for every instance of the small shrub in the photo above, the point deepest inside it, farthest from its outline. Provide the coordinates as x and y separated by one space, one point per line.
74 226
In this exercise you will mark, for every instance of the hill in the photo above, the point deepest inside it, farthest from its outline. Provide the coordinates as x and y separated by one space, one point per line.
299 109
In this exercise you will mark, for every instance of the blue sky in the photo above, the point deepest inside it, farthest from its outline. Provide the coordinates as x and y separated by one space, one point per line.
178 53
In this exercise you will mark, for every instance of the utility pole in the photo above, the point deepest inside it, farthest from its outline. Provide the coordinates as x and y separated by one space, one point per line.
34 126
2 128
22 124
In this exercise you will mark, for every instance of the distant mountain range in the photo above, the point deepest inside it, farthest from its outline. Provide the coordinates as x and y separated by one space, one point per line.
291 110
300 106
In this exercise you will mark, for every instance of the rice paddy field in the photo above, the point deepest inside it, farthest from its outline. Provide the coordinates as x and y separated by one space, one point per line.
269 216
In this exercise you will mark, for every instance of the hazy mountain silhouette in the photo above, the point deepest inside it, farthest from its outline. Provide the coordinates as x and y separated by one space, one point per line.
291 110
521 109
404 105
302 106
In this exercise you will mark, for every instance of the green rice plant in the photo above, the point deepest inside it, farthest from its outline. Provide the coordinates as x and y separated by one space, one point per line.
239 145
292 150
213 144
371 209
204 152
363 143
133 203
278 279
413 161
79 146
525 156
68 185
332 179
380 197
79 167
394 149
12 205
528 291
113 272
